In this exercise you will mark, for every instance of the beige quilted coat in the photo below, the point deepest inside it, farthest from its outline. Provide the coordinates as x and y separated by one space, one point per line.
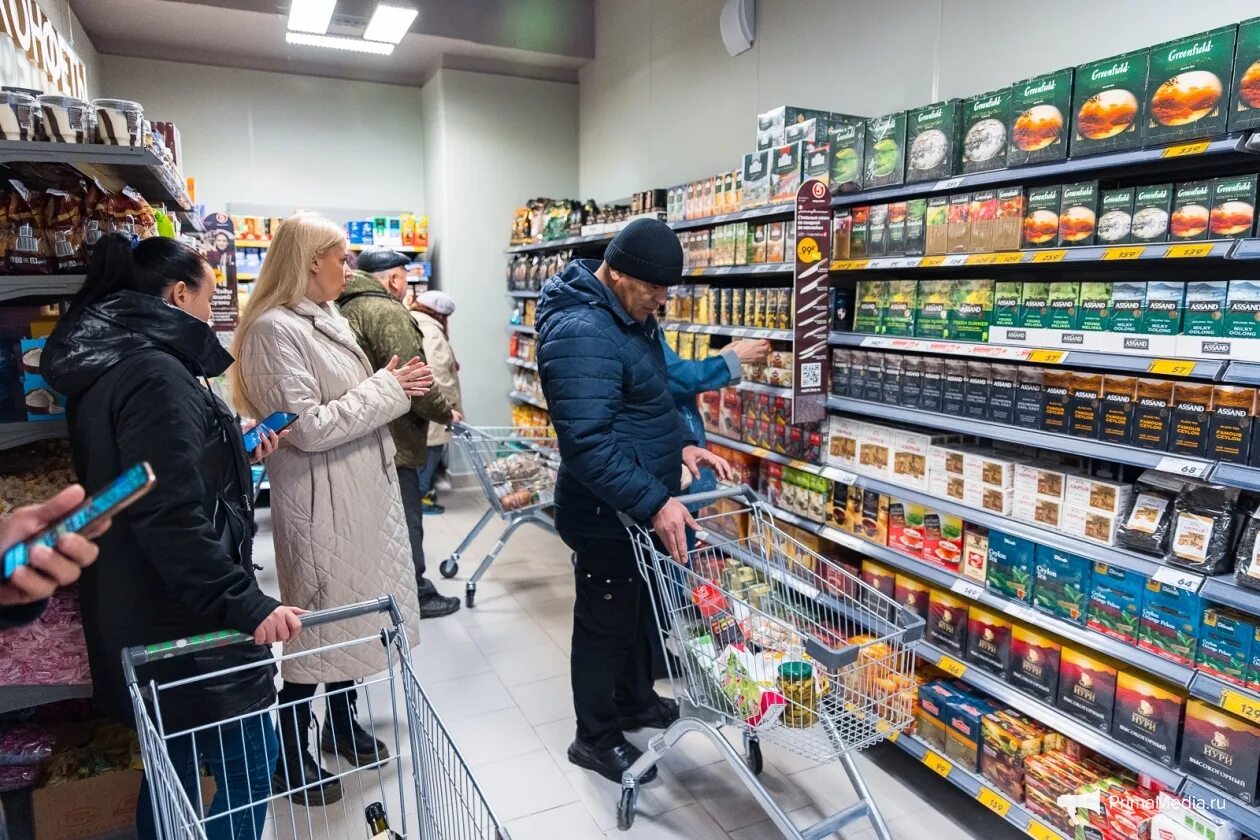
340 533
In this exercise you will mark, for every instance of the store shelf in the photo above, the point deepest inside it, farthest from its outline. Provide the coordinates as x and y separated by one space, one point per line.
1225 592
770 211
567 242
1237 475
1185 155
16 286
528 399
976 787
739 270
13 697
522 328
761 388
1246 817
736 332
1214 250
246 278
521 363
402 249
1207 369
1241 701
190 221
19 434
523 295
114 167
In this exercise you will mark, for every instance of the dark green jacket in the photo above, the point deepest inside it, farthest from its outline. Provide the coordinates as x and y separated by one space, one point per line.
385 329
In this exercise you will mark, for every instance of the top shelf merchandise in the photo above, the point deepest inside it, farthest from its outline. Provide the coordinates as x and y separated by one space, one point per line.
407 232
560 222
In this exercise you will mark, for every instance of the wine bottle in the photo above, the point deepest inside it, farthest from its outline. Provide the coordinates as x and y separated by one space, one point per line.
378 825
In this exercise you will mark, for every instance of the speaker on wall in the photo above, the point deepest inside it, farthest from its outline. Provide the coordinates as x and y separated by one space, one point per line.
739 25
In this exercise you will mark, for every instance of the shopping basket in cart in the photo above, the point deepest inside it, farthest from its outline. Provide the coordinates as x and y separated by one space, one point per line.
423 782
516 467
781 643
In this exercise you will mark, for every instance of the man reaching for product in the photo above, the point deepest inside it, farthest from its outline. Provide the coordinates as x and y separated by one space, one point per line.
621 445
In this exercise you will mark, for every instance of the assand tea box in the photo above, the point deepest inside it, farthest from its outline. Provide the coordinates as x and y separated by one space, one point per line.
1039 130
1148 717
1205 308
1107 104
1087 688
1128 299
1119 399
1231 424
1189 81
1035 663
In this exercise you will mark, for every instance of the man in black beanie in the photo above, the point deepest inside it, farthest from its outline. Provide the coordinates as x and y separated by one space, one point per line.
622 447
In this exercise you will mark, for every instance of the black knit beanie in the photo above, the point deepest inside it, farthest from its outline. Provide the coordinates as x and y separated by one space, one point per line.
647 250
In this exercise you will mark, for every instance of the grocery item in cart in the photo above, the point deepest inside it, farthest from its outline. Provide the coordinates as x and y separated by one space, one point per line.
513 468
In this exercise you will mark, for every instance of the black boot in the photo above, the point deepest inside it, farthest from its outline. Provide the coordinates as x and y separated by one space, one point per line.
298 774
342 734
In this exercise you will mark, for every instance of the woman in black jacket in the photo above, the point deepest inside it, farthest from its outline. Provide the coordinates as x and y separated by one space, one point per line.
132 356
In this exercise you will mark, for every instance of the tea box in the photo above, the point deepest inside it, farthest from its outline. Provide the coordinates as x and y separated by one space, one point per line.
1148 717
872 304
838 513
1034 305
1115 217
932 396
1062 581
1152 208
1057 384
1035 663
1205 304
905 528
872 522
1006 299
942 539
1064 299
916 227
1039 127
1107 104
1225 644
1098 494
1191 211
989 641
934 699
1041 216
1089 524
932 140
1170 622
843 436
984 467
877 231
1189 87
1233 207
1222 750
875 449
1192 408
947 622
975 562
1008 739
936 225
1078 214
963 730
772 126
895 239
959 230
1231 424
1011 566
986 120
972 310
859 231
1242 309
1152 414
805 132
912 594
982 217
1119 397
846 135
785 173
911 381
901 307
911 450
1244 102
1087 688
1095 309
935 302
885 151
1002 384
757 186
1085 404
1128 299
1115 602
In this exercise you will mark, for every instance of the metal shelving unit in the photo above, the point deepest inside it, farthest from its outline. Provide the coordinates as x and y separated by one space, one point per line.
761 388
768 212
1224 591
1246 817
522 328
557 244
114 166
528 399
735 332
738 270
1241 701
15 287
1213 250
521 363
13 697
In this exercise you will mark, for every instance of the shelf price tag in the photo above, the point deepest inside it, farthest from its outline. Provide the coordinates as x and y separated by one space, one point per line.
967 589
1171 367
1047 357
1183 466
1128 252
696 272
1054 256
981 259
957 259
1178 578
1245 707
952 666
1008 257
1198 147
996 803
849 265
761 453
1038 831
1189 249
932 261
939 765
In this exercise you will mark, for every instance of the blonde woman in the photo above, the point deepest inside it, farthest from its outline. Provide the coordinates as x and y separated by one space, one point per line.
340 533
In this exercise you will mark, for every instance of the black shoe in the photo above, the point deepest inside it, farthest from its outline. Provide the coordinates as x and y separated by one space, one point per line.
657 716
299 775
342 735
436 606
432 509
610 762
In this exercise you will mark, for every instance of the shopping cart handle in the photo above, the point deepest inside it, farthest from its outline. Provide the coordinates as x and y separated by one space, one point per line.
742 491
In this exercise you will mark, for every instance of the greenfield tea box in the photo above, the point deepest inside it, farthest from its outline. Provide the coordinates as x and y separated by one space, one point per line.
1062 585
877 231
935 301
1064 299
1034 305
1244 104
1164 305
959 230
936 225
885 150
1039 109
1078 213
1095 306
1148 717
896 236
1233 207
972 310
1188 84
916 227
872 302
932 140
1115 217
1152 207
1222 750
1006 297
1009 226
1041 216
847 137
1128 299
1242 309
1205 308
985 120
1191 211
756 180
1225 644
859 232
901 307
1107 104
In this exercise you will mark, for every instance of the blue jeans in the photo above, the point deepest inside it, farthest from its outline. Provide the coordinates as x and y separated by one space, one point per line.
431 463
241 756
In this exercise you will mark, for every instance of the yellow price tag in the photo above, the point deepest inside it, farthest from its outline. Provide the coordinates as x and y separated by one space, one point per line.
1038 831
1046 357
1189 249
996 803
1128 252
882 726
939 765
952 666
1007 257
932 261
1198 147
981 259
1171 367
1054 256
761 453
1241 705
696 272
894 735
849 265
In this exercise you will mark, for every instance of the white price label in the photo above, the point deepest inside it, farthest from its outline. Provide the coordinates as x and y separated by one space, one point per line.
693 328
842 476
956 259
741 332
1178 578
1020 611
949 183
967 589
1183 466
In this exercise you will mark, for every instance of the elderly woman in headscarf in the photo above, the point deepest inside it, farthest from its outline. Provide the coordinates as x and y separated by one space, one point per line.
432 309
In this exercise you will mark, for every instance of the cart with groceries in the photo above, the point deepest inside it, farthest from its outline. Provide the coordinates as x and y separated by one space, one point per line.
783 645
516 467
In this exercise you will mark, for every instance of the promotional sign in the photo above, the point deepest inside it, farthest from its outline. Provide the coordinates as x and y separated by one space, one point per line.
810 305
49 54
221 254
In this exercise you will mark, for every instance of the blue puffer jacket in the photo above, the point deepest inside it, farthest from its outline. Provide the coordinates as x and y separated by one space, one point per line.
607 390
689 379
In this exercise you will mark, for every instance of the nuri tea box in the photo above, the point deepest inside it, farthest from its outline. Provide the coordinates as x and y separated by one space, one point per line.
1191 213
947 622
1087 688
1233 207
1115 217
1148 717
964 732
1034 305
1039 129
989 641
1128 299
1152 205
1095 305
1188 84
1107 104
1041 216
1165 303
1225 644
885 150
932 140
880 578
1078 213
847 137
1242 309
1064 298
1062 584
1231 425
1115 602
985 122
913 595
1170 622
1012 566
1244 110
1222 750
1035 663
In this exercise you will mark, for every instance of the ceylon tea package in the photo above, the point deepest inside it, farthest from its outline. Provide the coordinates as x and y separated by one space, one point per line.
1244 110
1107 102
1189 87
1039 128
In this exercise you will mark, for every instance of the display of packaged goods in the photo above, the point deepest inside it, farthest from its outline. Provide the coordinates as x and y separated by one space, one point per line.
916 227
975 562
936 224
1011 566
1128 299
947 622
1148 717
1191 211
1189 87
934 700
901 307
1119 399
1041 216
1170 622
913 594
847 137
877 231
1002 392
1087 688
1115 602
773 125
1152 210
932 135
1192 408
1062 584
1152 414
1108 104
942 539
1008 739
963 731
1180 820
885 151
1233 213
1039 128
958 230
1221 750
1203 528
1115 217
1058 384
785 173
1078 213
986 121
971 310
935 304
757 180
1244 110
989 641
1084 407
1225 644
1035 663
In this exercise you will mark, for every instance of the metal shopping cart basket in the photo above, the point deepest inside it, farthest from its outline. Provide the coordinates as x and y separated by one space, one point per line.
781 643
516 466
421 779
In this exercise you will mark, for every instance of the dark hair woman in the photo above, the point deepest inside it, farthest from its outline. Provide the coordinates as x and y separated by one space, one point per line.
132 355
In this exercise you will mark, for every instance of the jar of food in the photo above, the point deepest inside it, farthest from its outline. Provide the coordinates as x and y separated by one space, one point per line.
18 115
119 122
66 119
796 683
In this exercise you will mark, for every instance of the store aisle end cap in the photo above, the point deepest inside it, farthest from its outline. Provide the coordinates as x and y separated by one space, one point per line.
647 250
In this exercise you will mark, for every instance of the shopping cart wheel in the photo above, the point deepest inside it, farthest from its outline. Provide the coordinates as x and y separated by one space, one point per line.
449 567
752 755
625 808
470 595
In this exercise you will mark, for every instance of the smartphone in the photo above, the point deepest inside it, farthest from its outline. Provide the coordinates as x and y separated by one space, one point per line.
122 492
277 423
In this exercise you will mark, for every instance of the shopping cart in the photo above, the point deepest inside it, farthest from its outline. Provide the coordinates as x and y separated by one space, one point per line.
781 643
516 466
445 801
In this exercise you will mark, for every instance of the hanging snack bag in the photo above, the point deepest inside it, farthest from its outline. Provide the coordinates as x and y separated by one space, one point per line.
63 214
26 245
1148 522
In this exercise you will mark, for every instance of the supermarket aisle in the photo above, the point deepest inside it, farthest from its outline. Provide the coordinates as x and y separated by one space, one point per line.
498 675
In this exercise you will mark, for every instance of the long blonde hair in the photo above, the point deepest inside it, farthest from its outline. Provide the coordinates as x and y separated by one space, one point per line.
283 281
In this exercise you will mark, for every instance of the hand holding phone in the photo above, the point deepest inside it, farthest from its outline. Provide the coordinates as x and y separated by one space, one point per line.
276 423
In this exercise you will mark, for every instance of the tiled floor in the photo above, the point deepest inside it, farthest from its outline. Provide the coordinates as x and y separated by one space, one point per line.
498 677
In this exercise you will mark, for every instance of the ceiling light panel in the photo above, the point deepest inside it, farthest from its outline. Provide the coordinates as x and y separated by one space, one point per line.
311 15
335 42
389 24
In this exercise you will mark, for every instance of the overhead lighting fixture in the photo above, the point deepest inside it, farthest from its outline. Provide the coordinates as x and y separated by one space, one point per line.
389 24
311 15
334 42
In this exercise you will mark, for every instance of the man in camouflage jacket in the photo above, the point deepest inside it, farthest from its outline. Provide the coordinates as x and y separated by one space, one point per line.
372 303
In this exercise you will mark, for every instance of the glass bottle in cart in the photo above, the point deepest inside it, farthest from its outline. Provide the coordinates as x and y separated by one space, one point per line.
378 825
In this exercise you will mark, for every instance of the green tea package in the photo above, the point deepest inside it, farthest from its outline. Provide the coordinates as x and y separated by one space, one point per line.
847 137
1064 301
1006 296
872 303
1244 103
1108 102
885 150
1188 86
1039 125
916 227
901 307
932 139
972 310
985 123
1128 299
935 303
1242 309
1095 305
1034 305
1115 217
1152 208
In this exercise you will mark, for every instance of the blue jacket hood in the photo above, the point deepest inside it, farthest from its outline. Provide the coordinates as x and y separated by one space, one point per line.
577 285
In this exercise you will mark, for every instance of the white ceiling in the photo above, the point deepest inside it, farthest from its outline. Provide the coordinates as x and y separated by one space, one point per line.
542 39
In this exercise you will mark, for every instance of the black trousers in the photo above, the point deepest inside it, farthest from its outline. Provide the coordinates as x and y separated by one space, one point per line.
413 507
613 628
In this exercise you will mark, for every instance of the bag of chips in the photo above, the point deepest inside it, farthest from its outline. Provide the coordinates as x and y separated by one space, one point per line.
63 214
26 245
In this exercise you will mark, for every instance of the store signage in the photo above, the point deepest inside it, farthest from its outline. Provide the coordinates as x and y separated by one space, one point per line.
811 308
221 254
30 30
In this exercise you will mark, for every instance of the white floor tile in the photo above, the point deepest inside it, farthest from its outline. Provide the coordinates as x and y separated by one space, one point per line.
691 822
557 735
601 796
531 664
525 785
508 635
437 662
494 736
469 696
720 791
546 700
568 822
